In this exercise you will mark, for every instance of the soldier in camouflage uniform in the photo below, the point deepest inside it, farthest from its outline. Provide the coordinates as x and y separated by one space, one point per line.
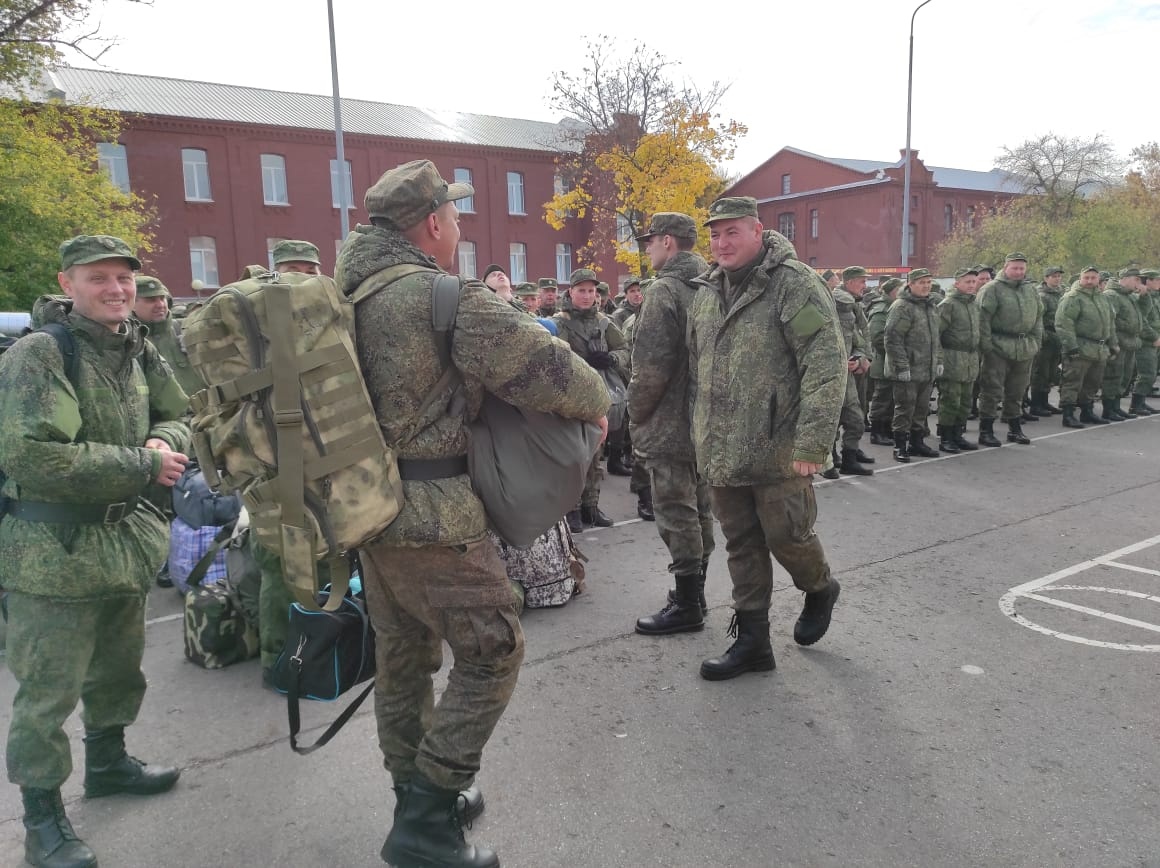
1086 327
913 362
638 482
619 443
658 398
959 337
152 309
548 290
851 317
881 390
605 304
496 279
1146 357
769 371
529 297
433 575
1121 368
633 298
80 539
597 340
1045 371
1010 334
296 256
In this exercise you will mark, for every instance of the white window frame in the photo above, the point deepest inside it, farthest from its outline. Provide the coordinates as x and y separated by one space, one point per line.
275 190
203 260
515 190
334 203
912 239
563 262
786 183
787 224
114 162
814 223
467 259
518 260
465 206
195 172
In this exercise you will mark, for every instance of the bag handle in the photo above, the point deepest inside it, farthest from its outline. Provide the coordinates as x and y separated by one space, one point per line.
201 568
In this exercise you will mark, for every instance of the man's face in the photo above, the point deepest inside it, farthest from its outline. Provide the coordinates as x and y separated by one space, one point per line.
298 267
921 287
531 302
985 277
1089 279
1015 270
497 281
583 294
1053 280
548 297
967 284
1136 284
856 286
103 291
658 253
634 295
834 280
735 243
446 246
153 309
1153 284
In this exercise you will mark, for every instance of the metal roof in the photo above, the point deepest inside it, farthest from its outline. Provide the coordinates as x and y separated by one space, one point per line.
993 181
171 97
872 182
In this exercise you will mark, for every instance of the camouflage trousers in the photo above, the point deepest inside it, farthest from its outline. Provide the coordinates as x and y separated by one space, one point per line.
1081 380
1145 371
684 517
954 402
1118 373
862 381
850 418
1002 383
759 520
1045 371
590 496
639 481
911 405
882 400
419 598
61 652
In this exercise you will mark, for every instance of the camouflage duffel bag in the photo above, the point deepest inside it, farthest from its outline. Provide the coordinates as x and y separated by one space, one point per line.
217 632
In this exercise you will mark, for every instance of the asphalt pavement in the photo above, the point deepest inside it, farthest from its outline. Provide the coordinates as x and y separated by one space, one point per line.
987 696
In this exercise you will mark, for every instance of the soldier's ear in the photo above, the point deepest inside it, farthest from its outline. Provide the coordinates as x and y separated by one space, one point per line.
65 282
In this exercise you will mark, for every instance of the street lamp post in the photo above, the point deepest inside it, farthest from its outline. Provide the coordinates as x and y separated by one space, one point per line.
906 168
343 214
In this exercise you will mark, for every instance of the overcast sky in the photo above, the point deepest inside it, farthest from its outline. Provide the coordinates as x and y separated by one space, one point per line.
827 76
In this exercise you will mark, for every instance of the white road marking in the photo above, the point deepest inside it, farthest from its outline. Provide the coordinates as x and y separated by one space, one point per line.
176 616
1132 567
972 670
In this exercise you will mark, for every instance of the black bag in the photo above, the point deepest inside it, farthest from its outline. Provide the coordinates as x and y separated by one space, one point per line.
326 654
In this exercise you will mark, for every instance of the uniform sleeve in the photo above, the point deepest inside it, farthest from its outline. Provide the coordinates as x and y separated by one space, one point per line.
618 347
655 352
876 327
1037 329
167 401
1147 324
860 345
986 304
1065 316
897 328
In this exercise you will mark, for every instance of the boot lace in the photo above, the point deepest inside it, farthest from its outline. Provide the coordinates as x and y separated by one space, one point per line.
63 826
460 817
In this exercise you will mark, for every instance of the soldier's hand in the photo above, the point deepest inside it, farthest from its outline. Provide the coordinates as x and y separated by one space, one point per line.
852 365
806 468
603 423
1156 343
172 466
903 376
600 360
863 365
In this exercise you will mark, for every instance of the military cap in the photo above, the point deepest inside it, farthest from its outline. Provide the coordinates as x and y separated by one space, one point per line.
295 251
1129 272
1150 274
406 194
891 284
582 274
917 274
853 272
526 290
1090 268
670 223
1015 257
1105 275
632 281
492 269
963 272
93 248
987 268
1055 269
150 287
827 274
602 288
731 208
547 283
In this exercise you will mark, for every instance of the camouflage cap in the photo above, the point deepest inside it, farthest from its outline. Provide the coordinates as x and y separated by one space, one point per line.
1055 269
731 208
631 281
892 284
917 274
1105 275
853 272
1150 274
963 272
406 194
582 274
547 283
827 274
295 251
150 287
93 248
1015 257
671 223
987 268
602 288
1090 268
1129 272
526 290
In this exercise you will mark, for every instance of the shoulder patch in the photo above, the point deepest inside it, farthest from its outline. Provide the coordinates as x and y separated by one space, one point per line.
807 321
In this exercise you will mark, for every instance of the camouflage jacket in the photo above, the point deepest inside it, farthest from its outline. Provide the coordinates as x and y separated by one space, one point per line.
769 371
624 312
958 318
1085 321
493 347
1149 317
164 336
591 330
1129 324
852 319
85 445
876 315
912 341
1050 298
659 395
1010 319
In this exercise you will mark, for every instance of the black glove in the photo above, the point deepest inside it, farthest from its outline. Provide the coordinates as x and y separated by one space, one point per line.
601 361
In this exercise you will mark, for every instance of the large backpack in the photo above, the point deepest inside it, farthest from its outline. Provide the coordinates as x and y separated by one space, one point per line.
287 420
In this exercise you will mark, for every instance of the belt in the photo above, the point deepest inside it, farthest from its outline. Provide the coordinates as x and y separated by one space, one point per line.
1092 340
423 469
71 513
1009 334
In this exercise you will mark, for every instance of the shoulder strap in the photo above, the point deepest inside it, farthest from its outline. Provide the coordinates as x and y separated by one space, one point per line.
382 279
68 349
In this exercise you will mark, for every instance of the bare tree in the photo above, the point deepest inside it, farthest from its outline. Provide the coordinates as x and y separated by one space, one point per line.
1063 170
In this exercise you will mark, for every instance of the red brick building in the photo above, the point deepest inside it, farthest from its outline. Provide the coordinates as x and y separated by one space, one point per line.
233 170
841 212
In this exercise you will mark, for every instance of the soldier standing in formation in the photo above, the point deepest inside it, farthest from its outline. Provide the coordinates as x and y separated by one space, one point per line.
852 319
878 302
1085 326
1045 371
1146 356
913 362
547 299
959 337
1129 324
152 309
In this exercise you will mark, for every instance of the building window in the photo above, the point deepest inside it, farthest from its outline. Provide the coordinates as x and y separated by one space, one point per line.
465 206
914 202
563 262
785 185
203 260
948 219
558 187
785 224
971 217
624 236
113 162
195 166
467 264
335 190
813 223
518 273
910 238
515 193
271 243
274 180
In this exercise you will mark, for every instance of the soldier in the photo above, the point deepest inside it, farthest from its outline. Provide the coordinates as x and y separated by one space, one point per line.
528 296
633 297
80 540
881 389
1121 368
832 280
658 397
1146 356
913 362
152 309
848 301
547 302
1105 276
597 340
1086 327
986 275
606 305
769 371
959 338
296 256
1010 334
1045 370
434 576
496 279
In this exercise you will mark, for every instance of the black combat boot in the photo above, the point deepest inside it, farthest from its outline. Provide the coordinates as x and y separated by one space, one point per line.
644 504
1129 414
1139 407
987 433
750 653
1087 414
851 466
918 446
902 447
50 841
1069 420
862 456
1015 432
961 441
470 801
616 465
683 612
591 515
575 523
428 831
1110 414
814 620
832 472
880 433
1039 406
1047 405
672 595
946 439
109 770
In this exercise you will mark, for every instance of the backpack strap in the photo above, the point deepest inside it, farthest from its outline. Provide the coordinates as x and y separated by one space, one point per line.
380 280
68 349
